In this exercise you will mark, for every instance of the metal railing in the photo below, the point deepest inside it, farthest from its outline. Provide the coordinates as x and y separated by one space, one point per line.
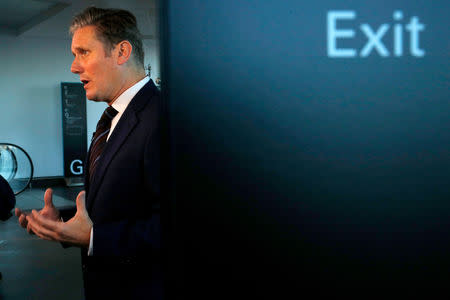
16 167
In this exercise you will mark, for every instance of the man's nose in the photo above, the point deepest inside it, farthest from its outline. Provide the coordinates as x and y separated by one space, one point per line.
75 67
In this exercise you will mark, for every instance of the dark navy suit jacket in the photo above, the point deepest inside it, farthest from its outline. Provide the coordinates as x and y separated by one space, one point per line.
124 201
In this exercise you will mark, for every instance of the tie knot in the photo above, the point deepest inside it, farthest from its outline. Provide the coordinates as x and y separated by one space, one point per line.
107 116
110 113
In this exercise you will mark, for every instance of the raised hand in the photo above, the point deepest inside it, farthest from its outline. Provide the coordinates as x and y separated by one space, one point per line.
76 231
49 211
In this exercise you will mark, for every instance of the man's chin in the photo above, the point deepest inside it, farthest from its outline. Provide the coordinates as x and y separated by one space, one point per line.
97 99
92 98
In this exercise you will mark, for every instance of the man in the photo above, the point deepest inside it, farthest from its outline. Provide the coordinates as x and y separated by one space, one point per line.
117 222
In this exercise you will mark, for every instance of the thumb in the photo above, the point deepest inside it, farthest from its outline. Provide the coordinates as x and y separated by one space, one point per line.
81 202
48 197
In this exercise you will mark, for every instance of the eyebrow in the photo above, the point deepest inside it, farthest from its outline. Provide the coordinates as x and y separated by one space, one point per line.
78 49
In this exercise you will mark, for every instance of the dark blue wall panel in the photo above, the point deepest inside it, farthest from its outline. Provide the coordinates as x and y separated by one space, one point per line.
292 164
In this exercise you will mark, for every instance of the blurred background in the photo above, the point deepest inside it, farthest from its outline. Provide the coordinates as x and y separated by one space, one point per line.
309 140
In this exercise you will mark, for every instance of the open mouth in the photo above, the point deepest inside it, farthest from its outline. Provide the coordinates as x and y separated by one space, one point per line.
85 82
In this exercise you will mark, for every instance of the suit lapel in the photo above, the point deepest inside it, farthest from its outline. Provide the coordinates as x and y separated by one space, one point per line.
116 139
123 129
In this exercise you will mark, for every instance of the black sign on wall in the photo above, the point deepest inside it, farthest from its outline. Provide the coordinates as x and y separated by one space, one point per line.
74 128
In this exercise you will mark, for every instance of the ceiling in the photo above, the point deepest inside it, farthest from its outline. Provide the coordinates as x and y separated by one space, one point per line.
51 18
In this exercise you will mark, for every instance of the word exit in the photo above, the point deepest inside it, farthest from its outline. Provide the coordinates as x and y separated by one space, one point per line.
336 31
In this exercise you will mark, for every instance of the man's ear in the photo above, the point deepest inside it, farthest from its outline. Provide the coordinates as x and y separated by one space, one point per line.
124 50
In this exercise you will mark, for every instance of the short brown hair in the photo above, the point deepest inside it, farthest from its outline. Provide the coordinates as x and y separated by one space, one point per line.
112 26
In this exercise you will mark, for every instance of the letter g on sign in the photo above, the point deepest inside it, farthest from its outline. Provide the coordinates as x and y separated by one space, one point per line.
78 167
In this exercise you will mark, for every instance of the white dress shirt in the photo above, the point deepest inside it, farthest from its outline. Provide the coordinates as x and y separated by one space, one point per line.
120 104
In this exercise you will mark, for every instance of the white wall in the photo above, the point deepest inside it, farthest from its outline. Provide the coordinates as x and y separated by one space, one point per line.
32 69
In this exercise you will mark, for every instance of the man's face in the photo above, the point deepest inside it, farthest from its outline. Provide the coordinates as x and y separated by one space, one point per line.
97 70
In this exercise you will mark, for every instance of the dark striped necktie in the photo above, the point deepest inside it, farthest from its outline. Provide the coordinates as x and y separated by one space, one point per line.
99 139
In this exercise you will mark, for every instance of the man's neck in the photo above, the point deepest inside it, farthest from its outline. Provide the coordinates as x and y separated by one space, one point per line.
129 80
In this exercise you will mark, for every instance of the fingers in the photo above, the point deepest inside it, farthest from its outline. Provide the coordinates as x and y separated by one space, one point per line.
23 221
81 202
42 227
28 225
48 197
29 228
33 228
21 217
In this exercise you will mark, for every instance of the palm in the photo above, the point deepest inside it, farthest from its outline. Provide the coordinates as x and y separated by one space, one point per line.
50 212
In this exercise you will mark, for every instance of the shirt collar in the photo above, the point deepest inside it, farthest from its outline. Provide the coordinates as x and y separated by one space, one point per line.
124 99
